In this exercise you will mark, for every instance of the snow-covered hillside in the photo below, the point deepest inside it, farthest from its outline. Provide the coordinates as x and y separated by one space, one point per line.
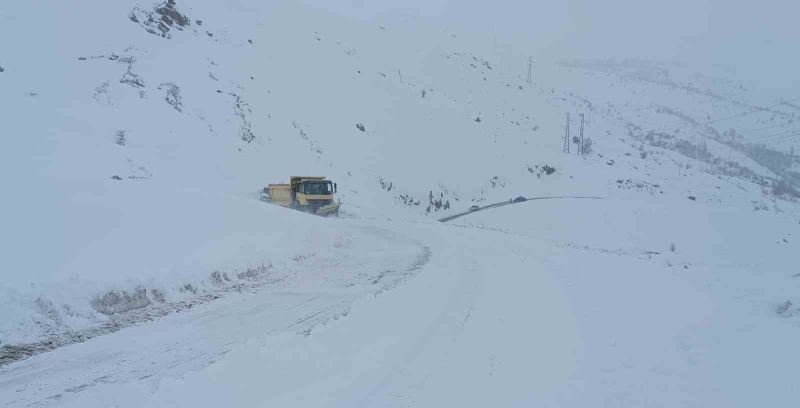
137 134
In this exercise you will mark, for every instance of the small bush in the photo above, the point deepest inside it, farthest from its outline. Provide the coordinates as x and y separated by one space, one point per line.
216 278
759 205
117 302
783 308
540 170
586 146
119 138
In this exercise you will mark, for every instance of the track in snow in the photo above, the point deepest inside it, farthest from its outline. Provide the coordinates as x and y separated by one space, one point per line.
190 338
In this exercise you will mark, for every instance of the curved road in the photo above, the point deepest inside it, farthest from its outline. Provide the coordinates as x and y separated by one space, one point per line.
490 318
276 347
304 297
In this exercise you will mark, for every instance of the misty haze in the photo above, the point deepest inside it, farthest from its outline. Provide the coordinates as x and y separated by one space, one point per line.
364 203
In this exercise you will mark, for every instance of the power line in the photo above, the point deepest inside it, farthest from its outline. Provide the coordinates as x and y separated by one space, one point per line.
754 110
787 133
765 127
738 115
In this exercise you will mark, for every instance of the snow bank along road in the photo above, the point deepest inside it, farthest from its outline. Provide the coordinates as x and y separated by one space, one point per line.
491 318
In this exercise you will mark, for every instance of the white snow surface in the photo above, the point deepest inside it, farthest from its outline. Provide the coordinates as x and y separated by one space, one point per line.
132 162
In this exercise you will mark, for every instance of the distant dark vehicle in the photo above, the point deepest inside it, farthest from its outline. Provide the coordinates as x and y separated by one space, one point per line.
520 199
474 208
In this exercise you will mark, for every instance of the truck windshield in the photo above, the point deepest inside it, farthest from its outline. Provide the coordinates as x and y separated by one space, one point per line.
317 188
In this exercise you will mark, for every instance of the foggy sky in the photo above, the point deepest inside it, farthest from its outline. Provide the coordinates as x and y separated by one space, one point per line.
759 39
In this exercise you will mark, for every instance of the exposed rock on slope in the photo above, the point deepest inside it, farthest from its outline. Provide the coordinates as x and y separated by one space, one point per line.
161 19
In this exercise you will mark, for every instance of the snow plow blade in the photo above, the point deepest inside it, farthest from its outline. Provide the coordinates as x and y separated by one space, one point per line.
329 210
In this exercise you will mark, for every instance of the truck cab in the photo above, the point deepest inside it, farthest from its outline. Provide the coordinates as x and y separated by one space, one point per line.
312 193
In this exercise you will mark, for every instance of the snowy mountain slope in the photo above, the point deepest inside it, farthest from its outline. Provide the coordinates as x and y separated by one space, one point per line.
721 277
133 127
133 159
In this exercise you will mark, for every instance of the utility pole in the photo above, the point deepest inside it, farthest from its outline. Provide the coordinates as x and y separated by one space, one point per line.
530 70
580 139
566 136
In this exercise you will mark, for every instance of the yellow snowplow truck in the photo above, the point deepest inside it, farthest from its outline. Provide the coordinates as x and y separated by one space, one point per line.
314 195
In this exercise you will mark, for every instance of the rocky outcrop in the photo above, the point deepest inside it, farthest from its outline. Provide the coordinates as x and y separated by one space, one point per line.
161 20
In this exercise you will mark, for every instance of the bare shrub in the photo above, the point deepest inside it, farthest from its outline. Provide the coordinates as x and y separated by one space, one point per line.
784 307
541 170
158 295
253 273
188 288
216 278
586 145
47 309
119 138
117 302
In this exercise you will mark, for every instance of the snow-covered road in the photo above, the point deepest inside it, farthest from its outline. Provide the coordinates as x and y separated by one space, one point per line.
250 349
492 317
301 299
